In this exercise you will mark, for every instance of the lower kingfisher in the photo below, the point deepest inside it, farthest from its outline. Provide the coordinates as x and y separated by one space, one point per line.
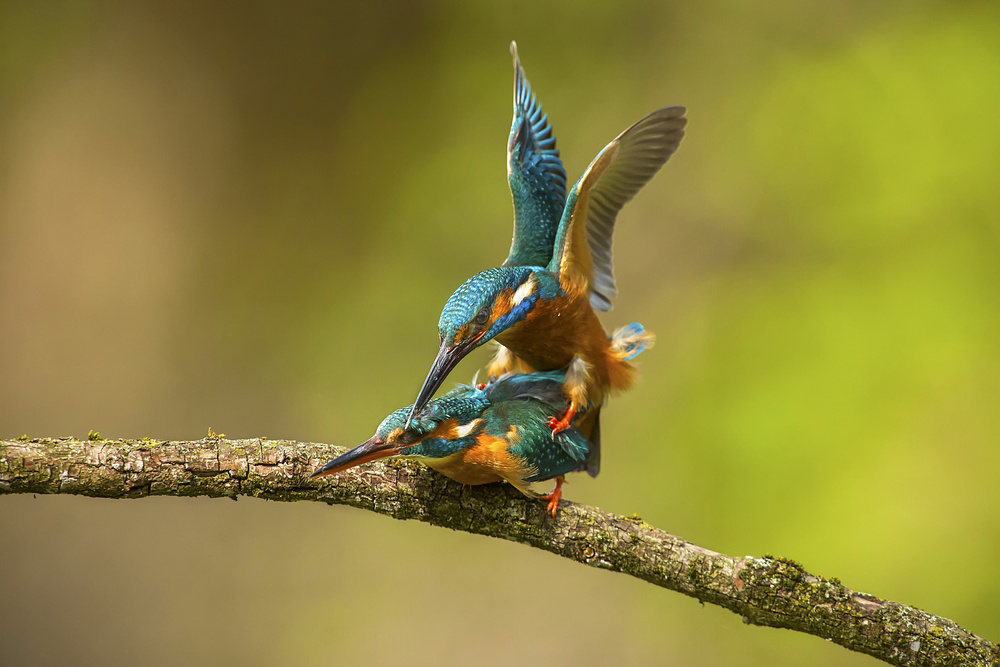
544 316
481 433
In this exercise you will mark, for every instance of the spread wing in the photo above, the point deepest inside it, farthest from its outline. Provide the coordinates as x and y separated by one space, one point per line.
583 240
535 174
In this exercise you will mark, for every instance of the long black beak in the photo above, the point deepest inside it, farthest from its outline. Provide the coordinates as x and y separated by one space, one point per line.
447 359
369 450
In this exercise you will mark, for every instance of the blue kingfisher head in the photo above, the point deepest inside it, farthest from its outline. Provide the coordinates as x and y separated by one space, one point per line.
447 425
485 305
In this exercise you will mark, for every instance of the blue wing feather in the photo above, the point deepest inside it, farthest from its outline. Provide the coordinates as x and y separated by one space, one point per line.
535 174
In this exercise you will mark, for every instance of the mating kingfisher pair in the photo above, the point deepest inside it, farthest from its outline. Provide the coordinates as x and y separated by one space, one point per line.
538 417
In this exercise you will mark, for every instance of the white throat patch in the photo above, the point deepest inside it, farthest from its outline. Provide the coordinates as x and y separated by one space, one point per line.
466 429
526 289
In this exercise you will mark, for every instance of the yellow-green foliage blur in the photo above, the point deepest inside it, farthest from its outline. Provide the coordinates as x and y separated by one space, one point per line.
246 216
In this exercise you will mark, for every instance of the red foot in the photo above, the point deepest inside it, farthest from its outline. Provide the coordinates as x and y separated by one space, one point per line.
559 425
481 386
554 496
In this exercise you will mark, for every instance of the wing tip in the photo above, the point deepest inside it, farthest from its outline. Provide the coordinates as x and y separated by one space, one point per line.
601 302
518 69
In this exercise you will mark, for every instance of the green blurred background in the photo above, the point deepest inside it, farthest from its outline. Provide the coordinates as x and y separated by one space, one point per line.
246 216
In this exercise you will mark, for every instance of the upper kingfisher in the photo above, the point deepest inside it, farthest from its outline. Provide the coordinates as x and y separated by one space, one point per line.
481 433
543 315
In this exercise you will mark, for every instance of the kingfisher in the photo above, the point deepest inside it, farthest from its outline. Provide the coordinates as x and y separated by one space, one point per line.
544 315
481 433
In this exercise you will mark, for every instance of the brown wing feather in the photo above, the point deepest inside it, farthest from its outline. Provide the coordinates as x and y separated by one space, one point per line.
583 242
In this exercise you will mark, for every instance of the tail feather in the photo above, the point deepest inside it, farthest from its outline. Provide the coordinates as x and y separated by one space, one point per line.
625 344
593 463
630 340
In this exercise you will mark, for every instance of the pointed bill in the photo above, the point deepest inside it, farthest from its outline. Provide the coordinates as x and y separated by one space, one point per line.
369 450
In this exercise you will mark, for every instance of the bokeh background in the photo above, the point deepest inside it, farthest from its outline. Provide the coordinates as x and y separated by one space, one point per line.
246 216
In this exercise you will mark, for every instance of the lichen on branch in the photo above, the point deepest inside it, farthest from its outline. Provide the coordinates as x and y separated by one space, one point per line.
767 591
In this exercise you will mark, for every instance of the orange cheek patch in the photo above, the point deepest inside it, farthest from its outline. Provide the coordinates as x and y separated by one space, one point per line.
502 305
446 430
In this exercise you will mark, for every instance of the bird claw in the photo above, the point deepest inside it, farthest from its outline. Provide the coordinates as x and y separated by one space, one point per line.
560 425
553 497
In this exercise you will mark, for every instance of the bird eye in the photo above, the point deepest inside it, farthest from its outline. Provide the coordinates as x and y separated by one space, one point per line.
482 317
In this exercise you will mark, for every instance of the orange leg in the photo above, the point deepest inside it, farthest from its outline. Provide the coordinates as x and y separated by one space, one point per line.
554 496
558 425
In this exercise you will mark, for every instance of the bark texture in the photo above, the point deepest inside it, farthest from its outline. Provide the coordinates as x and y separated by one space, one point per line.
768 591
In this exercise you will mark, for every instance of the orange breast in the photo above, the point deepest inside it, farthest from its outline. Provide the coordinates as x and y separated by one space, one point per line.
487 461
555 331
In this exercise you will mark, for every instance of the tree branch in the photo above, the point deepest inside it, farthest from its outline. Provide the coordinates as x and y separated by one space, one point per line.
767 591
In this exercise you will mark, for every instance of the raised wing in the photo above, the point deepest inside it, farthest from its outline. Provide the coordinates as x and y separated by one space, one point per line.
583 240
535 174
